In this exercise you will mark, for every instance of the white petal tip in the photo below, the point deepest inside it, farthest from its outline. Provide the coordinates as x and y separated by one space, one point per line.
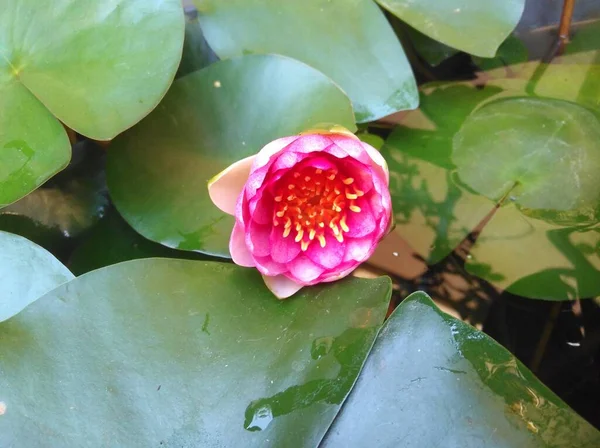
225 187
281 286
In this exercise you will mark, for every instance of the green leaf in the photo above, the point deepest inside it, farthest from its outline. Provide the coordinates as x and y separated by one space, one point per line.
98 67
112 241
66 206
433 380
472 26
447 175
183 353
158 171
27 272
351 42
543 152
432 212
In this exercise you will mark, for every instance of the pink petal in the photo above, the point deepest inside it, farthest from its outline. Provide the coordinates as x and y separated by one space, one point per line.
258 239
378 159
261 208
304 271
324 162
267 266
281 286
266 154
283 250
361 173
238 249
359 249
309 143
362 223
352 147
329 256
363 152
286 160
226 186
344 270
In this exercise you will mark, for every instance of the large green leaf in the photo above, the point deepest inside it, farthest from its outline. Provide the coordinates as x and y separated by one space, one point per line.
433 380
543 152
544 158
350 41
98 67
475 26
158 171
183 353
27 272
447 174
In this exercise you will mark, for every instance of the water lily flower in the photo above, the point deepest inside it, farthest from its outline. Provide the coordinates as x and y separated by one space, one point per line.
308 208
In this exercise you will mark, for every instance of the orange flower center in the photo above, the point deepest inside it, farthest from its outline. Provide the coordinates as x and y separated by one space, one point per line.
312 200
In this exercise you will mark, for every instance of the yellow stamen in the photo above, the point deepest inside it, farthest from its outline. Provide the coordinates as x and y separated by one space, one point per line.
286 232
304 245
288 223
343 224
306 178
296 175
291 186
321 239
348 181
311 235
280 214
354 208
299 235
278 198
358 192
339 237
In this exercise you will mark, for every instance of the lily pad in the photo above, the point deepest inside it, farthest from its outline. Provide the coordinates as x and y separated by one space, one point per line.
465 152
158 171
542 152
98 67
183 353
352 43
431 211
474 391
472 26
27 272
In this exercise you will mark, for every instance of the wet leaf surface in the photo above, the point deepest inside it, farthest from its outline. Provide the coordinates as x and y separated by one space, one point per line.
98 67
472 389
183 353
360 53
469 25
